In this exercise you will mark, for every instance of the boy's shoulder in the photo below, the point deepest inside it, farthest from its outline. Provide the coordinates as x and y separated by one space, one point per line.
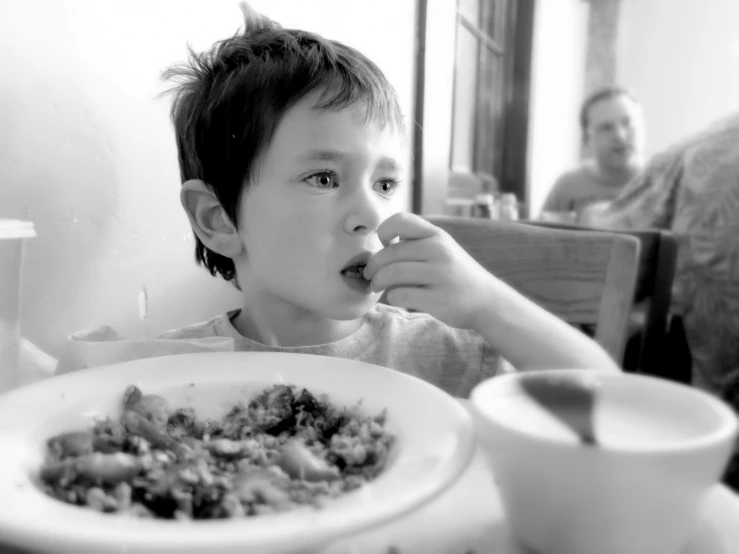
421 345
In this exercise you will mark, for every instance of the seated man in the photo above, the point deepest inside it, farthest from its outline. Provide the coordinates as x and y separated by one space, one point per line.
692 189
612 131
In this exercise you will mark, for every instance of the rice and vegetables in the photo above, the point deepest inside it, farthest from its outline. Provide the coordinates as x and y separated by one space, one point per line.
281 450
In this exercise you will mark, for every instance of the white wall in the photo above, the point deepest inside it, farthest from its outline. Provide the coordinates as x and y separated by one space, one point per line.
681 57
557 83
438 104
682 60
87 152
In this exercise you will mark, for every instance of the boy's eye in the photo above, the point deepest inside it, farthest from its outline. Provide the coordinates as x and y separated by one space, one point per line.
388 187
322 180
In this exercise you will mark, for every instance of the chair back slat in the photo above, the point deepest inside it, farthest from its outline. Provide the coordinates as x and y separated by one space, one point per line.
654 282
585 278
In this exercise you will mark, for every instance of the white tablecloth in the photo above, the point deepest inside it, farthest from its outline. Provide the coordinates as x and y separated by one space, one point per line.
468 518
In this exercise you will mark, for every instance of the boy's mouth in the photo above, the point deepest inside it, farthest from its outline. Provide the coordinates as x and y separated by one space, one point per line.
353 272
356 271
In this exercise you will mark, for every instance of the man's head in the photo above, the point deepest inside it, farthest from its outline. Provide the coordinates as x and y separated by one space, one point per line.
613 128
290 149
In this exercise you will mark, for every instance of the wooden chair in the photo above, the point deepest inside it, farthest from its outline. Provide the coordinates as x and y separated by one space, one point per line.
582 277
652 321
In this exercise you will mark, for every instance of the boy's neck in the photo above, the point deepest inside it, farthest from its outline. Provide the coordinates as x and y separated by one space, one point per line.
286 328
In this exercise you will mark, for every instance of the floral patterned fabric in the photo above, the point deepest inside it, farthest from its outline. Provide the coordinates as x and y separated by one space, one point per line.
692 189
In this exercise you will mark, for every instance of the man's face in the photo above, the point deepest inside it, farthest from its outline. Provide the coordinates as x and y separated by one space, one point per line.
615 132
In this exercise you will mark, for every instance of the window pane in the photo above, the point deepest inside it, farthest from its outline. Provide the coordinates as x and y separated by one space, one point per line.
489 115
492 19
465 100
470 9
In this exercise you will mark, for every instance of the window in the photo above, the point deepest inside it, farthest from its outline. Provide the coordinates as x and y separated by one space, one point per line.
472 105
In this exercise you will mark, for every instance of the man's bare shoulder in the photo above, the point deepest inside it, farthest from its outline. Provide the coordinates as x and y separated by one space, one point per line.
576 176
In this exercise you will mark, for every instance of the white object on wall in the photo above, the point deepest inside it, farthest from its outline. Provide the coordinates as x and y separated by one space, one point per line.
682 60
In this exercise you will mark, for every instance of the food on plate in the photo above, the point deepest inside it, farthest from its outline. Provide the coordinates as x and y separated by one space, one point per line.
283 449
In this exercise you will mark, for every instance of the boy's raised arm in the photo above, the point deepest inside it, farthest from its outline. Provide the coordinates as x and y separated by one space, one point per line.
427 270
530 337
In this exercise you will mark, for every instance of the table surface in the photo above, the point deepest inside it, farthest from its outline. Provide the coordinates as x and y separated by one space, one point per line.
468 518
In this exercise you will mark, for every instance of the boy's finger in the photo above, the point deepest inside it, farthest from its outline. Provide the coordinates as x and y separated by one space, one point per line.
415 251
405 226
401 274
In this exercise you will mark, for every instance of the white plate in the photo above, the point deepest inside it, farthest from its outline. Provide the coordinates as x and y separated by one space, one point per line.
435 443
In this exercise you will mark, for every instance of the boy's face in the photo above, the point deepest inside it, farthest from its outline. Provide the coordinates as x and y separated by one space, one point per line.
322 188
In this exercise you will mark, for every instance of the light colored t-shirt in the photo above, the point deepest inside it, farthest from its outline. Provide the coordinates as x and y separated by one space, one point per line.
579 188
415 343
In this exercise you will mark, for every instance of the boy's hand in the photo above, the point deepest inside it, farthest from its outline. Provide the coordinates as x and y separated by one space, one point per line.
428 271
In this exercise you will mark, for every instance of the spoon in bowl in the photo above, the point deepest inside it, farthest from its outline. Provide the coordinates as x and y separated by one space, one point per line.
570 399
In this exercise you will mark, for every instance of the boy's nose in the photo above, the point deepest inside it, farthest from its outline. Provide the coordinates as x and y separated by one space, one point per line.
365 215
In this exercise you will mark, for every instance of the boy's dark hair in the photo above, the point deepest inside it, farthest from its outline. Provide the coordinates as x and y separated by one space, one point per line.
230 100
597 96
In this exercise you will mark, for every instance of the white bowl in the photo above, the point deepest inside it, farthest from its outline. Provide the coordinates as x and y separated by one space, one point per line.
640 492
435 443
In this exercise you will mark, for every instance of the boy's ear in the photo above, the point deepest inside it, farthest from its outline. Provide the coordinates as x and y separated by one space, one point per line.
209 220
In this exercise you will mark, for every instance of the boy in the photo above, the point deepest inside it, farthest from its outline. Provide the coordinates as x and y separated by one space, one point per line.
291 153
